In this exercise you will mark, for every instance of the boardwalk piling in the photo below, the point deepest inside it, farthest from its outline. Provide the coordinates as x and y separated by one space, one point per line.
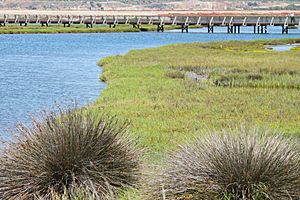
285 29
184 28
160 27
210 29
230 29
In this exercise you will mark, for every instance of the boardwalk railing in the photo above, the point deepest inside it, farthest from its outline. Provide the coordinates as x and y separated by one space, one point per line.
233 23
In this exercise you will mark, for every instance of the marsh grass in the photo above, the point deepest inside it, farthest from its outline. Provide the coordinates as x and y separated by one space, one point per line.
15 29
261 75
72 153
256 80
236 164
164 110
36 28
296 48
175 74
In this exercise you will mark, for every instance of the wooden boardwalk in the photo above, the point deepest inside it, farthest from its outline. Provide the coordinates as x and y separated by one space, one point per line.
260 24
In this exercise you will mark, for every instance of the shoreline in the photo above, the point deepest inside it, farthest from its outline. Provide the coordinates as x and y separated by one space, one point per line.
56 29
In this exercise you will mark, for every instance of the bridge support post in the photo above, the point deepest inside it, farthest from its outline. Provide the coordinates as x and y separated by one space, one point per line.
87 25
229 29
112 25
160 28
233 29
258 29
68 25
185 28
43 24
25 24
285 29
210 29
264 29
136 26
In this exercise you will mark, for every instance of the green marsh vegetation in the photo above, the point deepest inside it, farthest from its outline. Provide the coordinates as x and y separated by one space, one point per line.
36 28
237 82
32 28
296 48
170 95
244 83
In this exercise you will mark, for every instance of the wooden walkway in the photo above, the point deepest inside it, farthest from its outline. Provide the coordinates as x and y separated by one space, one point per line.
260 24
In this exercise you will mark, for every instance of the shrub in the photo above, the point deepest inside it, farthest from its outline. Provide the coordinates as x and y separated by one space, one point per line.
71 150
248 165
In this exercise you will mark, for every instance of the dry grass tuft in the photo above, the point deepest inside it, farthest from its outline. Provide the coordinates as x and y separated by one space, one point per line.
249 165
68 153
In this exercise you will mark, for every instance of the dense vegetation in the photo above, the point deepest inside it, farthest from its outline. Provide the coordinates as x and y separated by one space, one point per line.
15 29
240 82
170 95
171 92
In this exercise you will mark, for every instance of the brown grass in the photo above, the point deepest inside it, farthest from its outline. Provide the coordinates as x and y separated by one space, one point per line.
73 150
250 164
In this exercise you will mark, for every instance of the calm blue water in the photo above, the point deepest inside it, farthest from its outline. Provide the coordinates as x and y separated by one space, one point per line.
37 70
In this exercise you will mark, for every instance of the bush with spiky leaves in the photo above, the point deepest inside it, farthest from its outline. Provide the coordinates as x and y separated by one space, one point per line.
250 164
71 150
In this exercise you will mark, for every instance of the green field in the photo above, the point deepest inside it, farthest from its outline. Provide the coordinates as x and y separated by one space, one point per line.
244 84
16 29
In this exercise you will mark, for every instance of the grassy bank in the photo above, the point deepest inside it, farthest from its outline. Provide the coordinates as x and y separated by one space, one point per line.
242 83
16 29
169 93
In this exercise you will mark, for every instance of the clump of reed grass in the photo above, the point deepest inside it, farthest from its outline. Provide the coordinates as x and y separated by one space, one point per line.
73 151
250 164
